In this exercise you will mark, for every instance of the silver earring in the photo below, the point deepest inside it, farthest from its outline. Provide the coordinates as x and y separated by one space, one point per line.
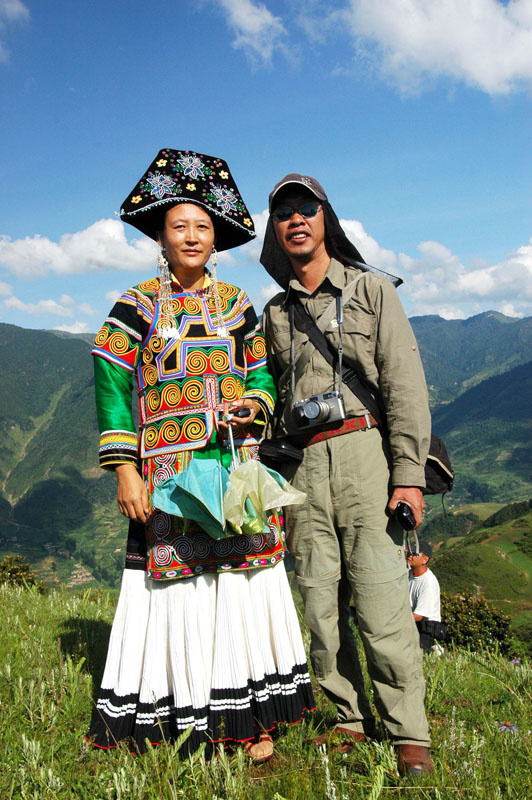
166 321
221 330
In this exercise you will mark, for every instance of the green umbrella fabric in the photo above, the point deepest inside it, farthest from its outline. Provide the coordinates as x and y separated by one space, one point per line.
196 494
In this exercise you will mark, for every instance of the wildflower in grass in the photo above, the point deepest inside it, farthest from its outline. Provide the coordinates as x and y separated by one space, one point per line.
331 787
516 661
507 727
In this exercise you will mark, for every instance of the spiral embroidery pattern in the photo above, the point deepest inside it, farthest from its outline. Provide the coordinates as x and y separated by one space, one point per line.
197 363
153 400
219 361
171 395
193 391
194 430
162 555
231 389
118 343
170 431
149 373
191 305
193 551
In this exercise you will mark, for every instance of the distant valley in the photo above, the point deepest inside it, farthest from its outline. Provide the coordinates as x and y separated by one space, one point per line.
57 508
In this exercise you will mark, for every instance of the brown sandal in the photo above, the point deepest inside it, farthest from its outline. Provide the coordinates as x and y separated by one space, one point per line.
260 752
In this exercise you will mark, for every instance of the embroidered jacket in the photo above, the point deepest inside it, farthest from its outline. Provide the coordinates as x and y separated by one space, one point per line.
182 382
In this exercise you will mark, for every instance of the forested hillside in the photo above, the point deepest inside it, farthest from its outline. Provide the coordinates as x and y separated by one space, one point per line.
460 353
57 507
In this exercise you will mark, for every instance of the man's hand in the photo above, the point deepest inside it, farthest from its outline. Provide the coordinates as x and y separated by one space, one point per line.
413 497
131 495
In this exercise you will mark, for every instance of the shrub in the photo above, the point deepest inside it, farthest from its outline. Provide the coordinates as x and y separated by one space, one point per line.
16 571
523 634
473 623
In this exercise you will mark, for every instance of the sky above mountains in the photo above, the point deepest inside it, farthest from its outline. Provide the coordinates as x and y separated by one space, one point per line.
414 115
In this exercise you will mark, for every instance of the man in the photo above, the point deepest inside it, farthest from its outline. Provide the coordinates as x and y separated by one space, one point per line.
345 540
424 596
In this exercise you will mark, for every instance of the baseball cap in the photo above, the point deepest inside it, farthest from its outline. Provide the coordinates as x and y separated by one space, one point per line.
303 180
425 548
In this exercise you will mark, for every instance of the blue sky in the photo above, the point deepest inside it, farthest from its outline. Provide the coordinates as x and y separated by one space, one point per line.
414 115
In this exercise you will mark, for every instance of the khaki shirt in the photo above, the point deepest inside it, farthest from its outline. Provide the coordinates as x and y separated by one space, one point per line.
378 342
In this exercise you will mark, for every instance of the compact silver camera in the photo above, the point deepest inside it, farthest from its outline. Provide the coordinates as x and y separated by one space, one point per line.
323 409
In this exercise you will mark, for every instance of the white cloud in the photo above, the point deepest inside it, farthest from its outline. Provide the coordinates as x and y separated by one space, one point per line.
269 291
42 307
5 289
76 327
370 250
260 297
257 31
11 11
86 309
509 310
486 44
101 246
113 295
251 252
439 283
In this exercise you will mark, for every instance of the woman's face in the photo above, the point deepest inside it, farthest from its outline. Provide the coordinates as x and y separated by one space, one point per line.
188 239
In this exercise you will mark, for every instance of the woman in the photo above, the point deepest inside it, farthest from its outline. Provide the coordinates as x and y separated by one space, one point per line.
205 633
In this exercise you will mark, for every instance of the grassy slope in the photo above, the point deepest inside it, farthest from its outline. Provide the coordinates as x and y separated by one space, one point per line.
489 561
487 431
52 650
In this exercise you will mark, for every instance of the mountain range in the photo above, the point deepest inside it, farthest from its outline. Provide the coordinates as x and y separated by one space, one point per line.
458 354
57 507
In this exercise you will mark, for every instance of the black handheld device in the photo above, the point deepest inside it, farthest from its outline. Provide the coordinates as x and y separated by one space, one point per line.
405 516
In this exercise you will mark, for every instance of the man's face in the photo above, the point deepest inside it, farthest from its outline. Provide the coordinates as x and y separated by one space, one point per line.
418 561
301 238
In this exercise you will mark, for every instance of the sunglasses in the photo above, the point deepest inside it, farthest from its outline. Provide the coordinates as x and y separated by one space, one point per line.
307 210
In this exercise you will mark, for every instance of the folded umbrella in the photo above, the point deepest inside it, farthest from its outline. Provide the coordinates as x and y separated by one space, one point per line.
196 494
253 490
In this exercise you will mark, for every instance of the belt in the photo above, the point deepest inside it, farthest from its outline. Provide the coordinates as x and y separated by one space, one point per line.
353 424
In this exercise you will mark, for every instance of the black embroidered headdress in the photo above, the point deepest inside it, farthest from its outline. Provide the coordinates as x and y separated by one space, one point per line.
182 176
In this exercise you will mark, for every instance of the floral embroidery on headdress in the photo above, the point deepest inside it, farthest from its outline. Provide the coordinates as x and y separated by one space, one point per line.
161 185
224 198
193 166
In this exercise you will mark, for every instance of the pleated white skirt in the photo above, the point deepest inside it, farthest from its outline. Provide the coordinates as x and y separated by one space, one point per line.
220 652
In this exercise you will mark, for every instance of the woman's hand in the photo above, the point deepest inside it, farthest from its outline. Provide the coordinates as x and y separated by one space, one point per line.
132 495
240 422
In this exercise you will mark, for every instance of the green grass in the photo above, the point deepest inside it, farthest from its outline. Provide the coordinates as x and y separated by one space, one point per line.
52 651
482 510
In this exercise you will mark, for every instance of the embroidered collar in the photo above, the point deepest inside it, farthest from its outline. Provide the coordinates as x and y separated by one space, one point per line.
203 291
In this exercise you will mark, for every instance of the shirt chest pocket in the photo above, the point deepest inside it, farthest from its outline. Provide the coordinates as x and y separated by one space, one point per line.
278 342
358 337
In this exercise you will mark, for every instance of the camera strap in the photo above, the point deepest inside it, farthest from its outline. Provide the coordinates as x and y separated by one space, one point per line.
302 320
321 325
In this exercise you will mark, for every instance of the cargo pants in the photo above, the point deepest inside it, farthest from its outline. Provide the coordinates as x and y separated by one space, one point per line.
344 544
